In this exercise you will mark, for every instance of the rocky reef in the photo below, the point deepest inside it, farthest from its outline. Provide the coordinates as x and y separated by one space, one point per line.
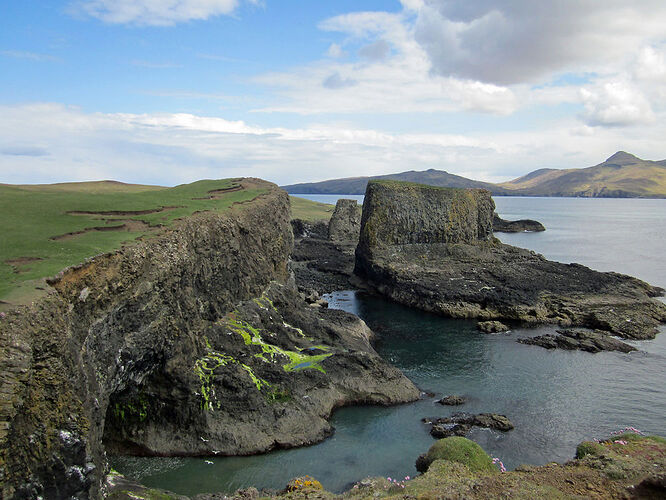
192 342
516 226
432 248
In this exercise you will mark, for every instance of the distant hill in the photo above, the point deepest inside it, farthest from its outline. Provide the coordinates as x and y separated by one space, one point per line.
356 185
623 175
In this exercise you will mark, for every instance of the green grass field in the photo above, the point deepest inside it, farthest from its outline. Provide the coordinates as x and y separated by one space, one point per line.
310 210
32 216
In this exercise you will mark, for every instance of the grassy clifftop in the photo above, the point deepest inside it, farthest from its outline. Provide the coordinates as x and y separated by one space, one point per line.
46 228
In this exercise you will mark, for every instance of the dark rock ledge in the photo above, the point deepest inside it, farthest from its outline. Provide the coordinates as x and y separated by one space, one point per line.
516 226
570 339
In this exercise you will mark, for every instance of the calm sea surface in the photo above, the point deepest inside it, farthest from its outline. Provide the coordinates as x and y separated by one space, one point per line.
555 398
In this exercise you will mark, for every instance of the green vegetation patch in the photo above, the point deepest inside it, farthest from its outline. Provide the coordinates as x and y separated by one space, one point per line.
46 228
461 450
205 369
297 360
310 210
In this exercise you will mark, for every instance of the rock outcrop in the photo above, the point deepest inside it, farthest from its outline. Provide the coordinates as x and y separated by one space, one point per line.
432 248
581 340
193 342
516 226
345 223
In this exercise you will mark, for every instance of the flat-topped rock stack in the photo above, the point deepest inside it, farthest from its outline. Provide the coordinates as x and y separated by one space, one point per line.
433 249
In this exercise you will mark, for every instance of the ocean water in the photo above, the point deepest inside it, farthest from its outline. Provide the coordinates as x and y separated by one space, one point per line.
555 398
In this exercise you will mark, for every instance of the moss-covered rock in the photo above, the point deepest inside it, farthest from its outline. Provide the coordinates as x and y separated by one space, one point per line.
589 448
457 449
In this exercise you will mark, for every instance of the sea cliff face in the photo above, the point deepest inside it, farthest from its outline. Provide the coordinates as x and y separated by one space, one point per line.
432 248
194 342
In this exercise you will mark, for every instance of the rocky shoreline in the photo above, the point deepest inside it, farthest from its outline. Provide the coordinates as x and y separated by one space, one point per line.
623 466
211 338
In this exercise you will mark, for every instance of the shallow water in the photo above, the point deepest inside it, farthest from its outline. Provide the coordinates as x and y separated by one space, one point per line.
555 398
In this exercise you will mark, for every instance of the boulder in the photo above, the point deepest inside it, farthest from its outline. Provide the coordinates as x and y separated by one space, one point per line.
492 327
452 400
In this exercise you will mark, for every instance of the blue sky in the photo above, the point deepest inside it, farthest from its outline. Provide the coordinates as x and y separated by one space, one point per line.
170 91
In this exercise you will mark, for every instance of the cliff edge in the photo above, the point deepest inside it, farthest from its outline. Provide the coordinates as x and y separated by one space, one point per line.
192 342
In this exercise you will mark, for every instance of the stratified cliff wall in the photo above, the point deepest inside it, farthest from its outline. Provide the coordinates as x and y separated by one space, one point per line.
401 213
193 342
433 249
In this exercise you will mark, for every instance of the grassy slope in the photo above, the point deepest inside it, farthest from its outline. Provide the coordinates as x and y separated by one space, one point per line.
31 215
310 210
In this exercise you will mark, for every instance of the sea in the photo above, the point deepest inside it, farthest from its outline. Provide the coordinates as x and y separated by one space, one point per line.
555 398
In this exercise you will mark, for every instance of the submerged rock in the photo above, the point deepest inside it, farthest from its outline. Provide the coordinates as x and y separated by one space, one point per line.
452 400
582 340
459 424
492 327
432 248
516 226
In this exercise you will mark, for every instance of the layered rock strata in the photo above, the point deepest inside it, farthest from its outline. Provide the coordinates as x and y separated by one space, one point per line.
193 342
433 249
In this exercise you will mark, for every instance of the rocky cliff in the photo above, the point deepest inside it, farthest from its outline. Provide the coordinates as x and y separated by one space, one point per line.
432 248
193 342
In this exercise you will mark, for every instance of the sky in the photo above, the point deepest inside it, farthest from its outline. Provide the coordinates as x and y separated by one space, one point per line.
171 91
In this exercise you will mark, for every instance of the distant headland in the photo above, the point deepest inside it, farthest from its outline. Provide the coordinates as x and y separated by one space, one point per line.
623 175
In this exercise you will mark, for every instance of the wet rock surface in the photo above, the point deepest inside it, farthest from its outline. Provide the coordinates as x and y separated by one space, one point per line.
454 267
459 424
452 400
582 340
516 226
492 327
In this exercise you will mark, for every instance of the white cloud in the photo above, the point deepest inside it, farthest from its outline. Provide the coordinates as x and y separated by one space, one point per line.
516 41
393 76
156 12
335 51
164 148
375 51
651 64
616 103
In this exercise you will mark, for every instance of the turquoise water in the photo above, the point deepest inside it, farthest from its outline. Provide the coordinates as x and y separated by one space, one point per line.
555 398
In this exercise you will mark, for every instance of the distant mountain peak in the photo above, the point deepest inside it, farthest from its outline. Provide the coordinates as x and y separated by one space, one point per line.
622 157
